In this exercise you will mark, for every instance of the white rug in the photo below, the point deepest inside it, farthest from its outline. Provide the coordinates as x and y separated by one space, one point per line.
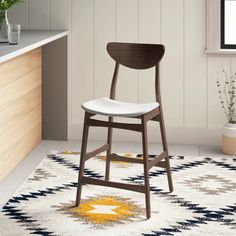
203 201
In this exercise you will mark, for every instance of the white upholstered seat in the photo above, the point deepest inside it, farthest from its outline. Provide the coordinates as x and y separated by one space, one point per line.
108 107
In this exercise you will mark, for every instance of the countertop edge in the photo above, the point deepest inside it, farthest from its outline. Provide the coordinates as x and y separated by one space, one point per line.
33 46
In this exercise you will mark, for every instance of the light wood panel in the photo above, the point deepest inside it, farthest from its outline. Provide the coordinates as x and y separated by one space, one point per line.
195 64
20 87
20 109
30 140
14 113
14 146
10 139
14 69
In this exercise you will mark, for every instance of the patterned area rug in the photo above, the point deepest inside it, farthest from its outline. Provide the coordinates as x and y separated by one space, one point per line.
203 201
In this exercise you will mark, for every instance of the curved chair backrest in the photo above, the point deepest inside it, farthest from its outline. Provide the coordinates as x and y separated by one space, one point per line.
135 55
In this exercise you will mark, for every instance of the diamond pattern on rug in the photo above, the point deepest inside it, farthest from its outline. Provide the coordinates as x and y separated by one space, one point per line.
203 201
211 184
40 174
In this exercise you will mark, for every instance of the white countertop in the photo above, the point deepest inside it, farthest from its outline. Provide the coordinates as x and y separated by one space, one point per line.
29 40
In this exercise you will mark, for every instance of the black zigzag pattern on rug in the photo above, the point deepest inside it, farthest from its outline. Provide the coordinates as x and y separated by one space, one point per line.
25 220
210 216
156 173
74 167
224 165
10 209
30 224
207 215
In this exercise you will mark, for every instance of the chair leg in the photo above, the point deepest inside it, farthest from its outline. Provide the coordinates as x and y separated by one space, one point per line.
146 172
82 158
109 141
165 148
168 171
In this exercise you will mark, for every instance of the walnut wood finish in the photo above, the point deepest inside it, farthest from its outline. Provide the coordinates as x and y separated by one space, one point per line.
134 56
96 152
115 157
131 187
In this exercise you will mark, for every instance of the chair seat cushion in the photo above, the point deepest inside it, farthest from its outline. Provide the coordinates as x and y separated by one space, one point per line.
108 107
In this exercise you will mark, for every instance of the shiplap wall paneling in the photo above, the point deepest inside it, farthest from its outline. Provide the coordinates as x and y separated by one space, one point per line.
18 14
188 77
104 32
53 14
82 56
127 31
213 24
195 64
39 14
149 32
172 67
233 66
216 116
60 15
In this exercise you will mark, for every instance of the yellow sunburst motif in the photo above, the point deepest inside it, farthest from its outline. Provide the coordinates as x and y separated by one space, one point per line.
104 210
130 155
103 156
67 152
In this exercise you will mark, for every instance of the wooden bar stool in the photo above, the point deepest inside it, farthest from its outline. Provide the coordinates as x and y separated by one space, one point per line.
139 57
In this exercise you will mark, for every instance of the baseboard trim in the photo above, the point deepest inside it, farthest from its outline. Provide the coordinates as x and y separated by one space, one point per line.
175 135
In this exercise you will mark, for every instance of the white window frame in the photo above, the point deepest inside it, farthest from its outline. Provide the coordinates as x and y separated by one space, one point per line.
214 29
213 24
223 26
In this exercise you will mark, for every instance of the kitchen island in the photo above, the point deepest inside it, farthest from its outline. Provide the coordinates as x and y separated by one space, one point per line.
33 94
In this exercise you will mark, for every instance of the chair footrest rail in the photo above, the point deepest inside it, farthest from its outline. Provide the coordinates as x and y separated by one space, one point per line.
131 187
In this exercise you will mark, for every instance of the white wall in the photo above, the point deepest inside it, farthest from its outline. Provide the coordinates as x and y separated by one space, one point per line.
191 106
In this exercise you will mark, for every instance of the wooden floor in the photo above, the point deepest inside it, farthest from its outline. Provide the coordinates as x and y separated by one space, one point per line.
20 173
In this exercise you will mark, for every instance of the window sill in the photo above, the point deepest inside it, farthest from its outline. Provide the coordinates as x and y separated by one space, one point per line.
221 52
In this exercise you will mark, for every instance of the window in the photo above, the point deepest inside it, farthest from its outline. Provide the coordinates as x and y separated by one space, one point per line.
228 24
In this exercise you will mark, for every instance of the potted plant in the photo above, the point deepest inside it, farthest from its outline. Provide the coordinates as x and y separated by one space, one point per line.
227 96
4 6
